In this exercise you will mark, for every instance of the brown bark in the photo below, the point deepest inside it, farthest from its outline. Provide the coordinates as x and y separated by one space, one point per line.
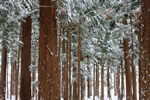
82 87
79 59
13 76
7 70
97 81
48 59
3 71
108 83
145 62
89 88
66 71
74 84
118 82
127 70
102 82
70 72
94 83
140 61
25 89
63 67
122 81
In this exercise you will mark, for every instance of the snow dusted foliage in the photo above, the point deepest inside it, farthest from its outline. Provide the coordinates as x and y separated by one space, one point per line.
12 13
102 30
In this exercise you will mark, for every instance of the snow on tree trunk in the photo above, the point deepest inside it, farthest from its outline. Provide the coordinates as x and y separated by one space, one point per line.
48 59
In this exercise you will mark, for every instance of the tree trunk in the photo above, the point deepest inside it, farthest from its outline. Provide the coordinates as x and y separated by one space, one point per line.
97 81
48 59
102 82
118 82
89 88
64 67
145 64
7 70
94 82
25 89
127 70
74 84
122 81
108 83
79 59
70 82
66 71
82 87
3 71
13 76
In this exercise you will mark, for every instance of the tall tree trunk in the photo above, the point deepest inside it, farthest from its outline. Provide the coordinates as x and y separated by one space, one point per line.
127 70
3 71
145 64
108 83
140 61
118 82
122 81
25 89
13 76
94 82
79 59
97 81
70 72
66 71
48 59
82 87
102 82
63 67
7 70
74 84
89 88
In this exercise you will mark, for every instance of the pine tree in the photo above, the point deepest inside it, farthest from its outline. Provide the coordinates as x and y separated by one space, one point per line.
145 62
127 70
25 88
3 67
48 60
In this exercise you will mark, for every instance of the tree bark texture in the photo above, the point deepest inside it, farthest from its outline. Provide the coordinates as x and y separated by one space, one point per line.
3 72
25 89
102 82
145 63
48 59
127 70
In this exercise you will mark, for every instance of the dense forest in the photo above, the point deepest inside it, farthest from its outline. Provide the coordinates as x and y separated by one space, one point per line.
74 49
